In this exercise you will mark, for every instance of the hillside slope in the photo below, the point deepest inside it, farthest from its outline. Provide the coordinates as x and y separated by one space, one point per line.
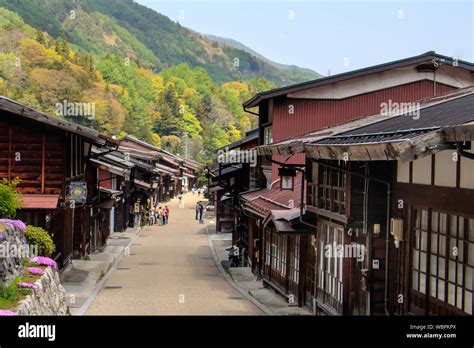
130 29
180 108
297 72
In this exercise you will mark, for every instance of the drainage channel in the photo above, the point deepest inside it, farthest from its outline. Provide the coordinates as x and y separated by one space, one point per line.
113 287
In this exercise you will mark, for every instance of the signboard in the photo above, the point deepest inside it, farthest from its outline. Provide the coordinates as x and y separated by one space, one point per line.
76 192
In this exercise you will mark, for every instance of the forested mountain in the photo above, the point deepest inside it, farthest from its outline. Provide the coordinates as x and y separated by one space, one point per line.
128 28
146 75
298 73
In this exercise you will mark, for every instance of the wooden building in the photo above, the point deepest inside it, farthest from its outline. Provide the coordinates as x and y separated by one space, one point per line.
158 176
398 189
289 113
232 175
115 175
49 156
273 234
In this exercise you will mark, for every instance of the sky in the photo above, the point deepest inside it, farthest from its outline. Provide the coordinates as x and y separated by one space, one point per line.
332 36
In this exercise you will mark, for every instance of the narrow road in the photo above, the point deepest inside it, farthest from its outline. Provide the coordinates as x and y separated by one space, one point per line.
171 271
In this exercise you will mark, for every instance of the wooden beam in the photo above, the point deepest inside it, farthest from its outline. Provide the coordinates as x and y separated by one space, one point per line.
43 163
462 132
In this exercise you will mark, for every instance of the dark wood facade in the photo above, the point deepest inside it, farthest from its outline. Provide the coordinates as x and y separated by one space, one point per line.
47 155
346 206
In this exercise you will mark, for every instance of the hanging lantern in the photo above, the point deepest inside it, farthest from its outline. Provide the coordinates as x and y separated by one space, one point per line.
287 178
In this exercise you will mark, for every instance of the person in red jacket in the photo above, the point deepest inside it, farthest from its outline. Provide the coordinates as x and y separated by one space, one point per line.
166 214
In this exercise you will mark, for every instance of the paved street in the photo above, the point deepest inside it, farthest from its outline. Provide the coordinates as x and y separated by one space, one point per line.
170 271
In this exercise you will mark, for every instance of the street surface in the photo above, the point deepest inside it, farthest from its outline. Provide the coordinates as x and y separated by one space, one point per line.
171 271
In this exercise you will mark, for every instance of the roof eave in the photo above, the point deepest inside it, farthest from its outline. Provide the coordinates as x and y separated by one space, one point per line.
259 97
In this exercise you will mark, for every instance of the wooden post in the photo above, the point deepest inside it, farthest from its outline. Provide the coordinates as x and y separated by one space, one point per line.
43 163
302 269
9 152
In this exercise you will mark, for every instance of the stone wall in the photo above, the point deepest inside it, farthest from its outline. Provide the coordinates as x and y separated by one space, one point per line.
48 299
10 262
50 296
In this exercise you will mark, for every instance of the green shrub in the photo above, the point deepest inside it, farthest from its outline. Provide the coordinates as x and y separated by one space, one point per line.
10 200
11 294
41 238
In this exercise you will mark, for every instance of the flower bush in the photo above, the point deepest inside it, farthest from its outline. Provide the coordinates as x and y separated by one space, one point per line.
6 312
41 238
15 223
35 271
44 261
27 286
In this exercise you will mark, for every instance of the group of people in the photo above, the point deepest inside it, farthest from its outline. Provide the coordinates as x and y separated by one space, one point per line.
199 190
159 216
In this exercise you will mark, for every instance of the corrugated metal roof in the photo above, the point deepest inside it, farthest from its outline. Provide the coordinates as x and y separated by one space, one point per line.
299 143
266 200
425 57
19 109
232 169
446 113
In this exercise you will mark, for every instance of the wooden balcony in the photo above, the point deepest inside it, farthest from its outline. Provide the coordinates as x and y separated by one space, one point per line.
327 200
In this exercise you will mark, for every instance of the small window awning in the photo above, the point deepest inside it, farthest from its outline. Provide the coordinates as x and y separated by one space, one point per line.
142 183
163 169
124 172
32 201
110 192
107 204
215 188
286 221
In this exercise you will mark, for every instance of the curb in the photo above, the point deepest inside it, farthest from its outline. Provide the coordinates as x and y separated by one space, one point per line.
231 281
113 267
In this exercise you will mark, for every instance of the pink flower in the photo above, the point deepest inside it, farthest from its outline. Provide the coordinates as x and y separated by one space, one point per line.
44 261
28 286
6 312
35 270
15 223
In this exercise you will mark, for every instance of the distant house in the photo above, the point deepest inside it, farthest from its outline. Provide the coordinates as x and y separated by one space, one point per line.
231 175
157 176
114 175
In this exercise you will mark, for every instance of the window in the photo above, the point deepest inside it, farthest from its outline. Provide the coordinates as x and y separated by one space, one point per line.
332 190
330 268
267 247
443 257
267 135
295 261
279 249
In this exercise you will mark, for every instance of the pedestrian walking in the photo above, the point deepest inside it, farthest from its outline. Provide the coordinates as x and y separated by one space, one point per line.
160 216
166 212
197 209
150 218
201 210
